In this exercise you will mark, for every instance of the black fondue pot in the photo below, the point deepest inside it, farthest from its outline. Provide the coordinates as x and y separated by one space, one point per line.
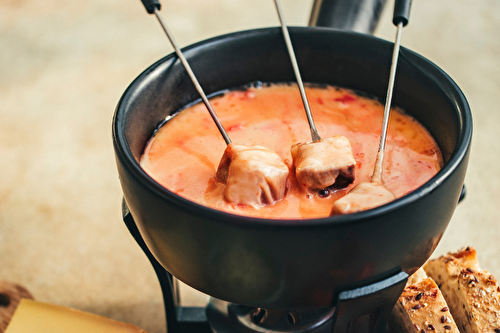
291 264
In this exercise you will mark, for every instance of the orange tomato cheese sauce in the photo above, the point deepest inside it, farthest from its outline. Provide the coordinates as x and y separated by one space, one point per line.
184 153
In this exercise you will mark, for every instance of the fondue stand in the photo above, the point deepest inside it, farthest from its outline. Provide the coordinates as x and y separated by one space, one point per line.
362 310
352 307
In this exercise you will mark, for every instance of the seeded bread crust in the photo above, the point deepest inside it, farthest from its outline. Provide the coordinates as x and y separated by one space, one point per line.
422 308
418 276
473 294
399 321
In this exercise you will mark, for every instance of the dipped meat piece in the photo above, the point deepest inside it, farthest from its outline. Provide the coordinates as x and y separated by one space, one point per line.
325 163
363 196
254 175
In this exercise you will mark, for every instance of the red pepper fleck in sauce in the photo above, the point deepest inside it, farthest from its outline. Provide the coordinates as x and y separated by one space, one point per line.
344 99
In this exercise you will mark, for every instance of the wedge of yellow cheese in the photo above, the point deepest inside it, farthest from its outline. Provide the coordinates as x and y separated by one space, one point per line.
37 317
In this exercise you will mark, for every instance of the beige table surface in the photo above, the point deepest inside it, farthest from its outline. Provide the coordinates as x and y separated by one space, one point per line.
63 67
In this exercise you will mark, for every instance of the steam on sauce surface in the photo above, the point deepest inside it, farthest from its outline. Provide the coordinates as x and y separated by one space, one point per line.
185 152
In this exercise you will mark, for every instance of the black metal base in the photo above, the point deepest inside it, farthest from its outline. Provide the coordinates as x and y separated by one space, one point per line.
360 310
225 317
179 319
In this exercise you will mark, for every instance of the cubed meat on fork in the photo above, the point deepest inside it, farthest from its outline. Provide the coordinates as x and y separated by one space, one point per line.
322 164
362 197
254 175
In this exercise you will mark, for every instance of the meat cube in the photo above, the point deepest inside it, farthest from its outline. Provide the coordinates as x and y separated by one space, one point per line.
323 163
254 175
362 197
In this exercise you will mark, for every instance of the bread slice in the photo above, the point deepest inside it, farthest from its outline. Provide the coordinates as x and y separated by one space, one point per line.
421 308
472 293
418 276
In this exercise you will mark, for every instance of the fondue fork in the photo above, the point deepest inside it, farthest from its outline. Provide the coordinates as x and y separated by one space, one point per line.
400 19
314 133
260 174
318 164
153 7
367 195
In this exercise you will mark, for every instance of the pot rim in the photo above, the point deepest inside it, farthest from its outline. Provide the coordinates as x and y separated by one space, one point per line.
124 154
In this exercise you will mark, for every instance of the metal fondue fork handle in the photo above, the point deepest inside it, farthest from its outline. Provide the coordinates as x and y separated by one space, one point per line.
400 19
314 133
153 7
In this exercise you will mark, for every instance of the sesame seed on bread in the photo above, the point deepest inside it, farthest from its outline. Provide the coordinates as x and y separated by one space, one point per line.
421 308
472 293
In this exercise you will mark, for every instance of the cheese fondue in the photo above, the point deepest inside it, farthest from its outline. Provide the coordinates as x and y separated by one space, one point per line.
185 152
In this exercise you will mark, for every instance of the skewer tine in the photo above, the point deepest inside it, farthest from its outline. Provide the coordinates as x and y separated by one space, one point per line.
314 133
367 195
153 7
377 172
400 19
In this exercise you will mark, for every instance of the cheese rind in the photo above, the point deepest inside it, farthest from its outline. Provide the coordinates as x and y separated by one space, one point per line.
10 296
37 317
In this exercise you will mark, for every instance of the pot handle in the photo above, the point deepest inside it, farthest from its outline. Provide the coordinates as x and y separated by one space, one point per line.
462 194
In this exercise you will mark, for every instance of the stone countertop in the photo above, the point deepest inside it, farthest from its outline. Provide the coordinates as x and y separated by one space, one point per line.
63 68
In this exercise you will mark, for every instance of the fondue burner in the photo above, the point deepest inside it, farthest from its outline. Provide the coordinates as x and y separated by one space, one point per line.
362 309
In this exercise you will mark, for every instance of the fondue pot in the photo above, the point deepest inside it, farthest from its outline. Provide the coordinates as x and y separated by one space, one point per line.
342 267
